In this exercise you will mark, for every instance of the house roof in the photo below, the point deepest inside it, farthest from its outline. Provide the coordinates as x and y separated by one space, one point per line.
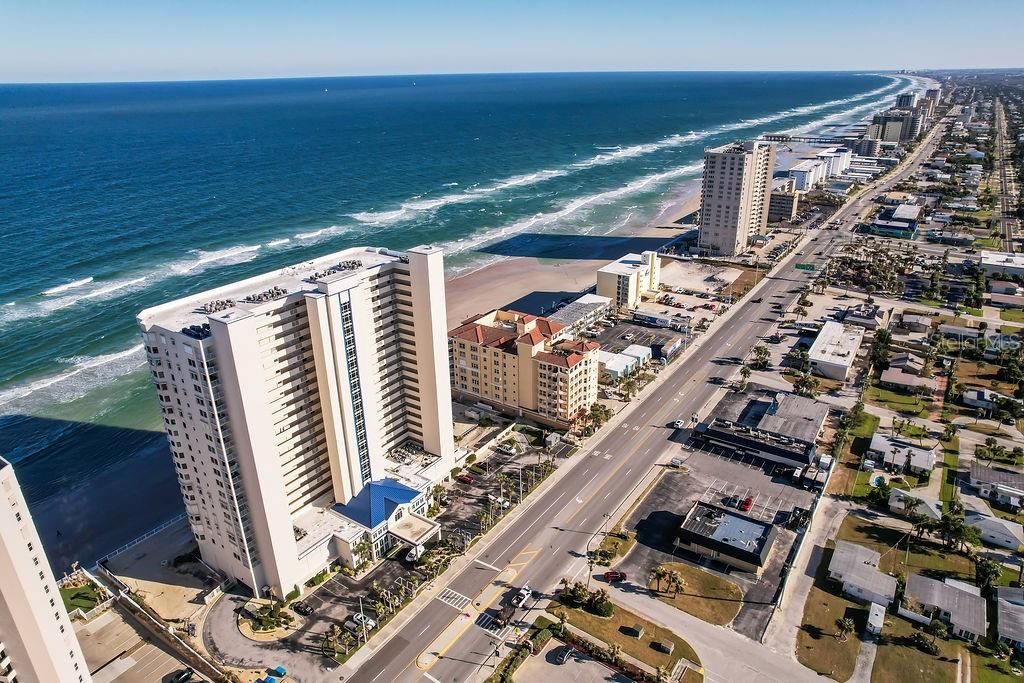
996 475
966 610
568 353
929 507
375 503
994 525
906 360
887 446
859 566
499 329
1010 613
898 377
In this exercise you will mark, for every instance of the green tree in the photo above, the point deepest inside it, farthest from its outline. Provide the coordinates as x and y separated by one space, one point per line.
844 627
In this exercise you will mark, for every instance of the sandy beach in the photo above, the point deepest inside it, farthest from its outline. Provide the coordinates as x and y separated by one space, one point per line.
540 270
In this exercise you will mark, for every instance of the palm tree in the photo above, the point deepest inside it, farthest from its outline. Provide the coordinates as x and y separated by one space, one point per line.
745 373
986 571
660 675
613 653
676 581
949 431
657 574
562 618
845 627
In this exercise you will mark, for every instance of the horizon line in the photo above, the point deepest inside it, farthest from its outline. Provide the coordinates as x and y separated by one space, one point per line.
865 72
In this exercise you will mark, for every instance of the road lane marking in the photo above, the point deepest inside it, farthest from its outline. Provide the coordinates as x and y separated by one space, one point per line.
423 631
453 599
432 679
540 517
489 566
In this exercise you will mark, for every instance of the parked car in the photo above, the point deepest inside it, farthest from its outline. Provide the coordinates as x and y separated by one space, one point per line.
352 627
676 462
302 608
732 501
499 501
678 424
507 449
628 336
360 618
747 503
466 479
564 654
415 553
613 576
183 676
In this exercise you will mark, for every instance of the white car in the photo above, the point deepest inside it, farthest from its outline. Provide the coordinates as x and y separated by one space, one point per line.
415 553
362 619
678 424
628 336
524 594
500 502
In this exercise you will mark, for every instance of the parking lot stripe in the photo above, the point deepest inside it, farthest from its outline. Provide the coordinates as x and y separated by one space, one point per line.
432 679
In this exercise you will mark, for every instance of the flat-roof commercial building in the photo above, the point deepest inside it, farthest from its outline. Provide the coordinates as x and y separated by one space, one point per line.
837 160
808 174
834 350
515 362
1001 263
773 425
627 279
727 537
735 194
577 315
285 395
37 641
783 205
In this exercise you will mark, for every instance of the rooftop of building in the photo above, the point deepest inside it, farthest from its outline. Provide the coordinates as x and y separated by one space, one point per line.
859 566
761 408
966 610
244 295
502 329
747 537
316 524
996 259
899 377
996 475
568 353
836 343
896 449
376 502
807 165
906 212
626 265
579 309
737 147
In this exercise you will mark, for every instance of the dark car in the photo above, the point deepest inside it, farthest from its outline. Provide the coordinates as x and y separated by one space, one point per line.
613 576
757 300
183 676
563 655
465 479
732 501
302 608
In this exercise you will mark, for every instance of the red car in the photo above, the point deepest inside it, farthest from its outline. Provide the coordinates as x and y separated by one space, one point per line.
465 479
612 577
747 504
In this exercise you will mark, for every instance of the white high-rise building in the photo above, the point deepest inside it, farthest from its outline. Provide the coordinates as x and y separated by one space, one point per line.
37 641
906 100
308 411
734 196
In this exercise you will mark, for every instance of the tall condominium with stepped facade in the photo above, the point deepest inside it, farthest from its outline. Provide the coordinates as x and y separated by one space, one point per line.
37 641
308 411
735 194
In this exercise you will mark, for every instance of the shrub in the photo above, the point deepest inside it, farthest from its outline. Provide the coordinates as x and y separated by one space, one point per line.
293 595
471 458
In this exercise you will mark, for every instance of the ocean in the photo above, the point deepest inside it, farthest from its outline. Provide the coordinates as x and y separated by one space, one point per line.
120 196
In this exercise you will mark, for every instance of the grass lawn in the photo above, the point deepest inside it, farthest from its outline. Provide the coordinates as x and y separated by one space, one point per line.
913 432
926 556
950 462
901 403
987 668
987 243
80 597
934 303
972 374
816 645
610 630
898 659
1012 316
986 429
615 546
849 478
707 596
971 310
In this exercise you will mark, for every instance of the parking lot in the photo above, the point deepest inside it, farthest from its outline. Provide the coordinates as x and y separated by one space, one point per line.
117 650
623 334
714 476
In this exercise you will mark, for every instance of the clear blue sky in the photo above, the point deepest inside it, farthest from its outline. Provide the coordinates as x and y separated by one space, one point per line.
111 40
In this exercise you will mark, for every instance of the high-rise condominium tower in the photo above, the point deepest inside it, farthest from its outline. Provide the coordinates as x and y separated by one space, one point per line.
37 641
308 411
735 195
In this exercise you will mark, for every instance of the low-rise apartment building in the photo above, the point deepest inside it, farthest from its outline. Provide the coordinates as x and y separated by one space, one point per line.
515 362
627 279
835 349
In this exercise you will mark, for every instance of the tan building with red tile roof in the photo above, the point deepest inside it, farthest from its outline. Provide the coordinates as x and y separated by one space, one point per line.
510 360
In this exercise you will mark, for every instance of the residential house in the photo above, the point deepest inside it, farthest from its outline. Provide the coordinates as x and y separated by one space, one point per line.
856 567
1010 616
868 316
898 453
907 382
907 362
995 531
999 485
927 506
957 604
915 323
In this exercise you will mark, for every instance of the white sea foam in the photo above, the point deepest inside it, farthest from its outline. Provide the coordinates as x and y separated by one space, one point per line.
278 243
610 154
201 260
83 375
322 233
66 286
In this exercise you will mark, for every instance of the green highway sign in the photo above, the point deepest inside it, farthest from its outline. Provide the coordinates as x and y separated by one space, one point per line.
805 266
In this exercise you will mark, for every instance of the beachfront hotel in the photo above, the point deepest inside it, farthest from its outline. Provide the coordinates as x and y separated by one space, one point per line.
627 279
735 195
308 411
515 363
37 641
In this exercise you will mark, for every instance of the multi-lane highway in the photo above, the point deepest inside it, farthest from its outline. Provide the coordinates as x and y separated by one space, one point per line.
548 540
1006 202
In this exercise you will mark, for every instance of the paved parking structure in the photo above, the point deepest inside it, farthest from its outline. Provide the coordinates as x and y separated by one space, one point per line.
117 650
714 477
579 668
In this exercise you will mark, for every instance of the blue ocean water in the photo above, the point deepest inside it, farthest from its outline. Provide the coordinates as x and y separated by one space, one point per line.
116 197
